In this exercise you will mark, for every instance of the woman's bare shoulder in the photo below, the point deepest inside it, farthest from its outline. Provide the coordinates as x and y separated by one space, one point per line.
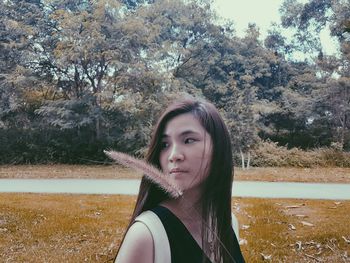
138 244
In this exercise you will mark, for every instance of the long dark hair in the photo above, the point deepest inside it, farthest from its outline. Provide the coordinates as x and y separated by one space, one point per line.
217 187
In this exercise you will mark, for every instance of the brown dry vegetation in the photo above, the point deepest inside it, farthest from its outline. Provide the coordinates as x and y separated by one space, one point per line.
278 174
67 171
89 228
286 230
272 174
61 228
268 153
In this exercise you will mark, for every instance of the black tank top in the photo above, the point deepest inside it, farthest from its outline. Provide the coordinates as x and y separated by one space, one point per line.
183 247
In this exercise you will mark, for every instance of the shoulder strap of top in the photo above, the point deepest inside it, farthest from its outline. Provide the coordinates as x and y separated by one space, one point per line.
235 225
160 238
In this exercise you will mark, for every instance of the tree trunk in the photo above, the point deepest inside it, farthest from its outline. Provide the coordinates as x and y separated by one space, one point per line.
248 160
343 129
242 158
98 132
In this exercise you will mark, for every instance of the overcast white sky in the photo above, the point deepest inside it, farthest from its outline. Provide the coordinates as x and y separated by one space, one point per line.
263 13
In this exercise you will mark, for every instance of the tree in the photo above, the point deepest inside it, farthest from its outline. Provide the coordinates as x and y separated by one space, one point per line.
16 30
241 120
310 19
97 73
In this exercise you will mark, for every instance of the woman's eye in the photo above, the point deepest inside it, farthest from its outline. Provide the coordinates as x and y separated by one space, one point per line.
190 140
164 145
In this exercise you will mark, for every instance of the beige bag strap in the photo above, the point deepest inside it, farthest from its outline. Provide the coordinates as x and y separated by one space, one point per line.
160 238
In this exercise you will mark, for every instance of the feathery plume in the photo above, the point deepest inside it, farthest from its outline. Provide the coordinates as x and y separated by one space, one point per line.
152 173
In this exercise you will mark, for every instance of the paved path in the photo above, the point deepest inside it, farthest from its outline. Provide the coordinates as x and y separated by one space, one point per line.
240 188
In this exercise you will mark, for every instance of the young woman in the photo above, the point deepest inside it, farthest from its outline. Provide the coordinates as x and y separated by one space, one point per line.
190 144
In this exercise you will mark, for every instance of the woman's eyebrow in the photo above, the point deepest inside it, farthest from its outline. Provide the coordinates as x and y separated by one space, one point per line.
186 132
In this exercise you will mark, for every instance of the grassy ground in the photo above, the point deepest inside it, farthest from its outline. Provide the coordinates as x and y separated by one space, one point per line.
89 228
294 230
330 175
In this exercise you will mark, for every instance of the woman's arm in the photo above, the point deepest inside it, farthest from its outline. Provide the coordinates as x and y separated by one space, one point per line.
137 245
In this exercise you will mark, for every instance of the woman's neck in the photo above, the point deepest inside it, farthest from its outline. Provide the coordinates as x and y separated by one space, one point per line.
187 207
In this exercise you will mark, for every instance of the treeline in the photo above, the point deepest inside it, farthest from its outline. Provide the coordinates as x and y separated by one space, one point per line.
78 77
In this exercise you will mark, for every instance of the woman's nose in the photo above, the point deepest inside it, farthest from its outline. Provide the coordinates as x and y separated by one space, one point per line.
176 154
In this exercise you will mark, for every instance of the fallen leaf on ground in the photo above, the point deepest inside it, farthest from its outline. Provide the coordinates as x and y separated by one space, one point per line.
293 206
306 223
310 256
243 242
330 247
346 240
291 227
266 257
301 216
298 245
310 243
336 205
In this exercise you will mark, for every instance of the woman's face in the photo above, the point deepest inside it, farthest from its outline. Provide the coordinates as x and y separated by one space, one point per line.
186 151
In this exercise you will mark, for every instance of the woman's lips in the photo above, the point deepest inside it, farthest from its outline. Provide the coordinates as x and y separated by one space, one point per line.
176 171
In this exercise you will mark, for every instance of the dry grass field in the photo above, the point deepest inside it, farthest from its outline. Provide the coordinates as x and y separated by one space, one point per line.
61 228
271 174
89 228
